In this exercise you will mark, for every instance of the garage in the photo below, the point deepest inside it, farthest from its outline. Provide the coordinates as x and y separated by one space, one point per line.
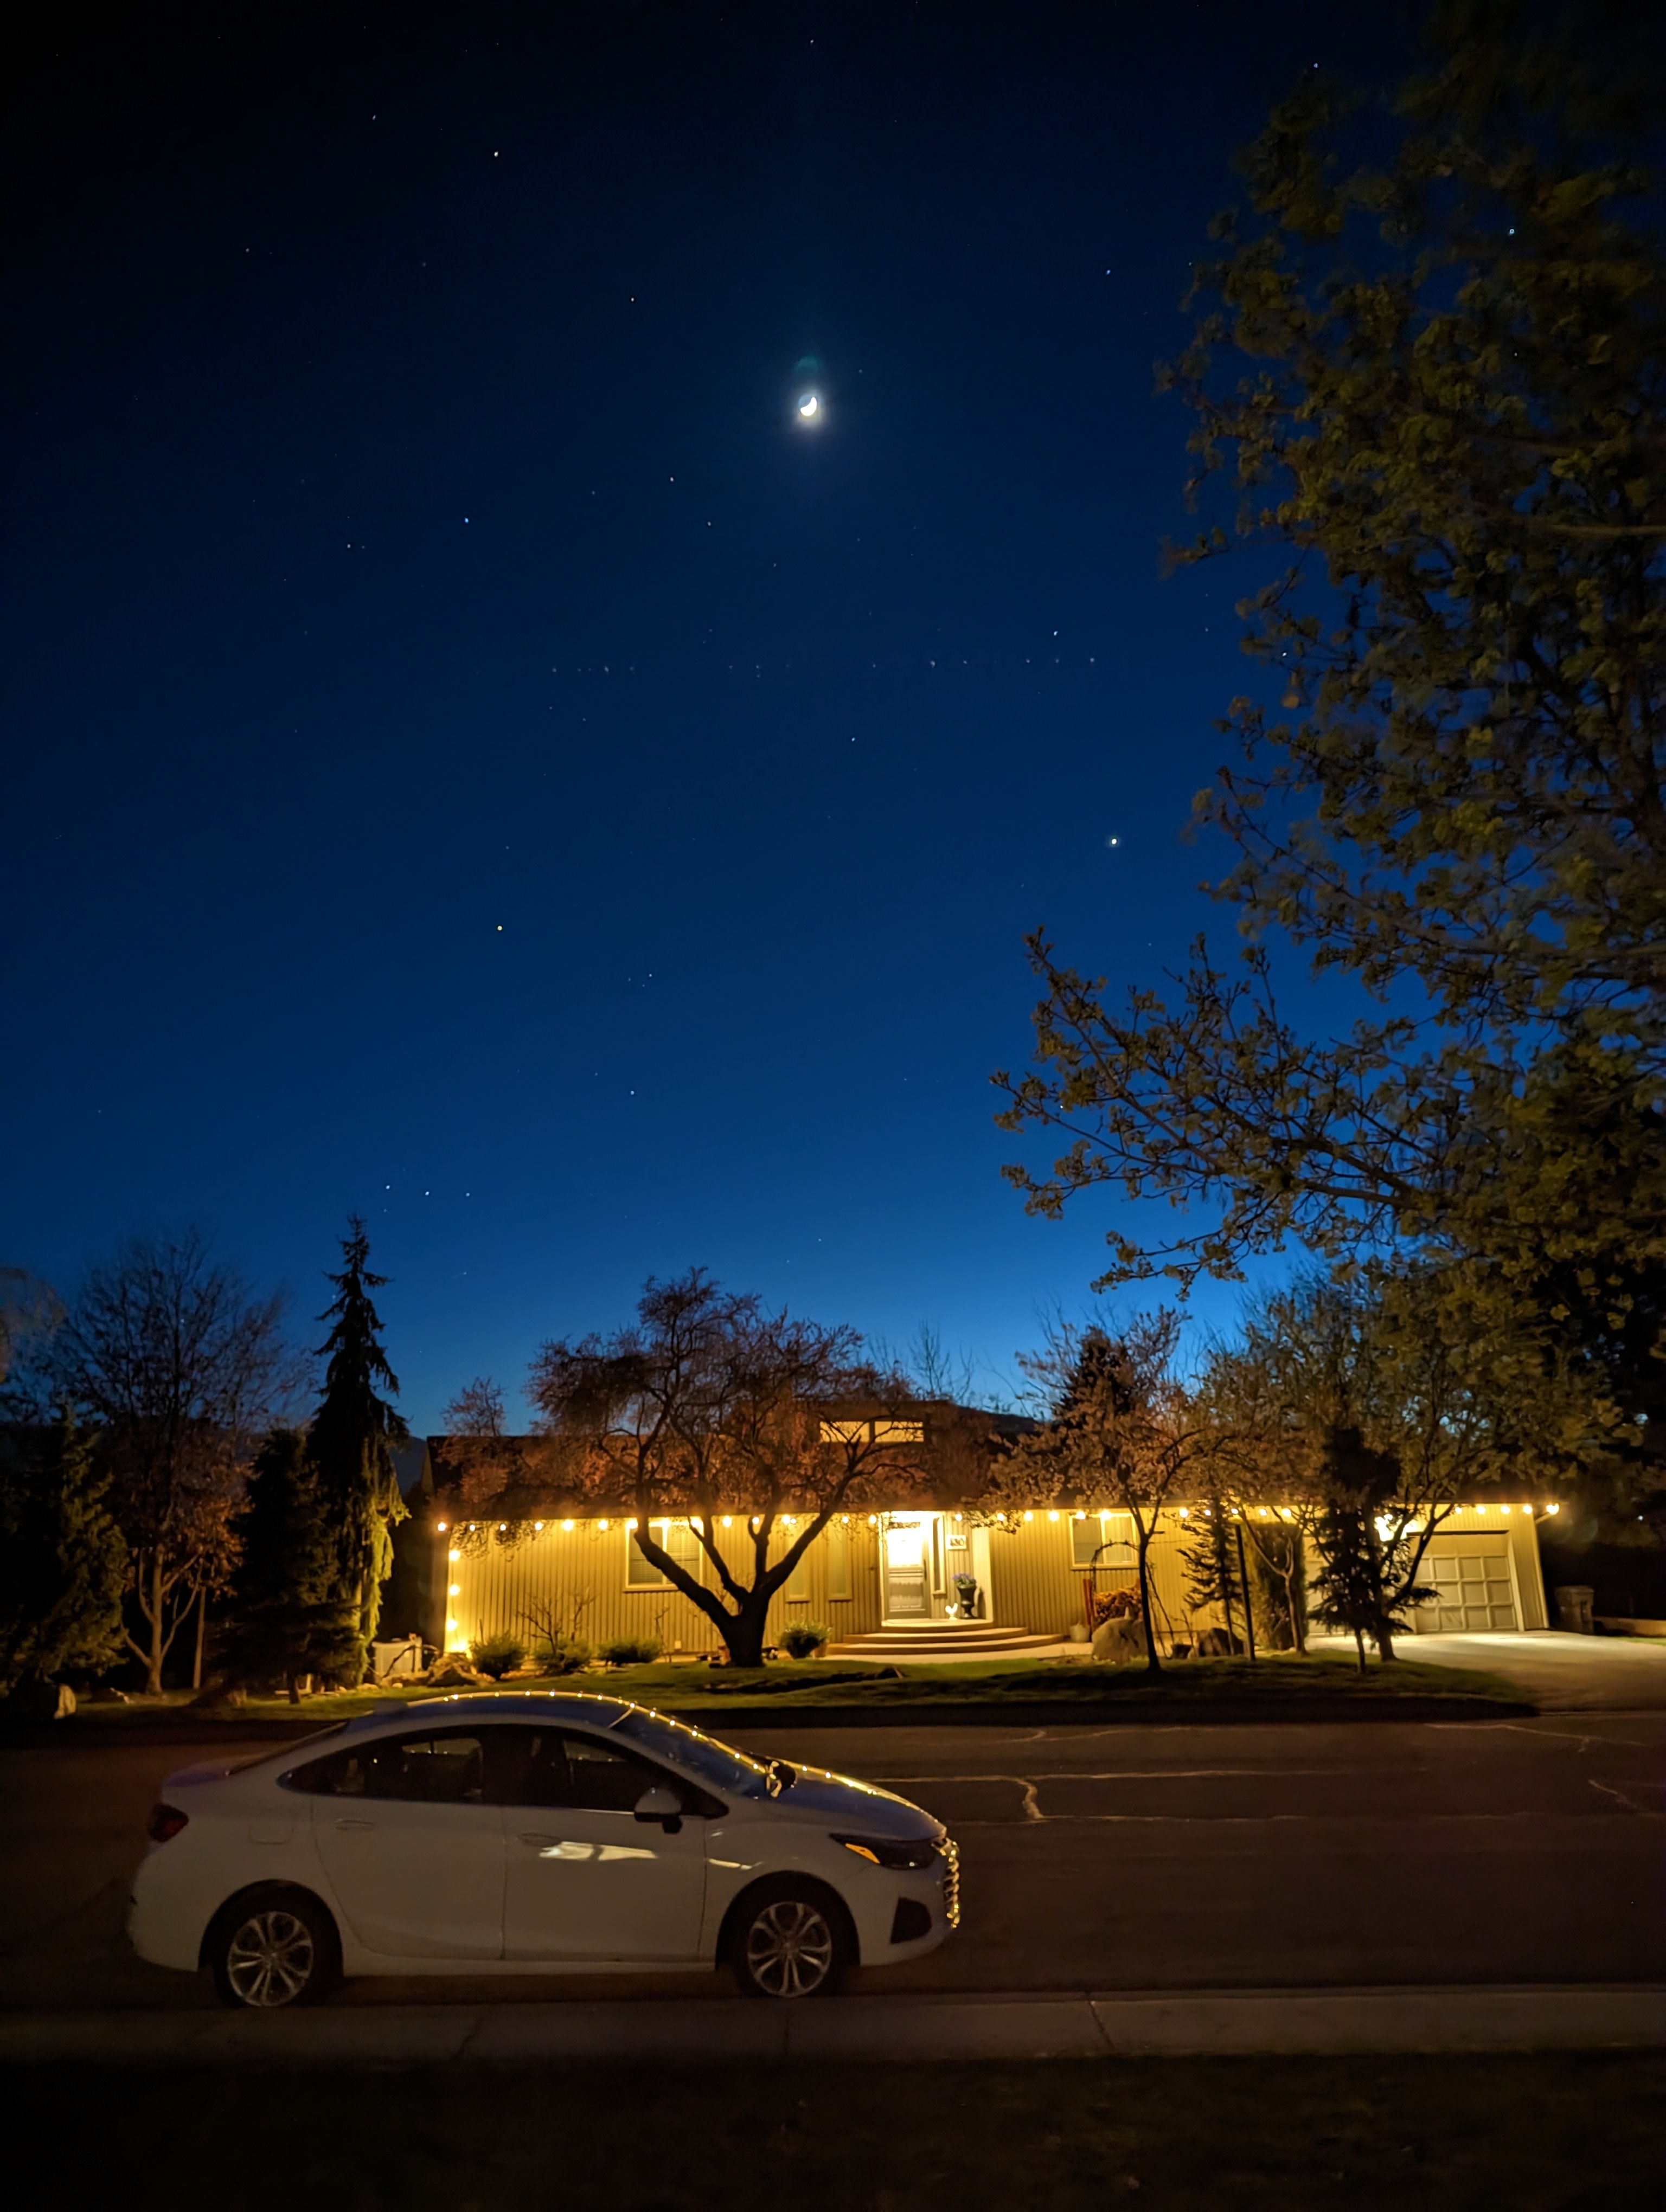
1474 1585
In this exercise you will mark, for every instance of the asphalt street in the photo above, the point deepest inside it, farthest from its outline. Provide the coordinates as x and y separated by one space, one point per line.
1115 1858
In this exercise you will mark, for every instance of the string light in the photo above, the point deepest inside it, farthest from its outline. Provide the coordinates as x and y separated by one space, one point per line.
441 1525
567 1526
453 1555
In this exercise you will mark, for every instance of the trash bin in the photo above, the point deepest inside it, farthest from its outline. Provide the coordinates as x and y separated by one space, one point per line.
1573 1604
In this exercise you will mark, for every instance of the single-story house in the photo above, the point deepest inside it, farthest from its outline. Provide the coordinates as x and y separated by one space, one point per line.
888 1571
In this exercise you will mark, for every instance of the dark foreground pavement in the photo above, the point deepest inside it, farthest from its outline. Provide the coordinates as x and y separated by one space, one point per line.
1098 1859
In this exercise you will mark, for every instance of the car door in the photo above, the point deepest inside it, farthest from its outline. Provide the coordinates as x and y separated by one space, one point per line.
413 1842
586 1879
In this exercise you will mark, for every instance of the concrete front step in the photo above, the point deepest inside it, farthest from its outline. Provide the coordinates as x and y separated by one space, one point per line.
941 1640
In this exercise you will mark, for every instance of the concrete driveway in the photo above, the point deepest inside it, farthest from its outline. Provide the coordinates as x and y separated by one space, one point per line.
1559 1672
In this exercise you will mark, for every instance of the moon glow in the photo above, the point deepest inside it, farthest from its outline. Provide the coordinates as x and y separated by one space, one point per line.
809 407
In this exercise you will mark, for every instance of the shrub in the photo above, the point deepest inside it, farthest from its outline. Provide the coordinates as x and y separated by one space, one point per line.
631 1650
802 1639
564 1655
497 1656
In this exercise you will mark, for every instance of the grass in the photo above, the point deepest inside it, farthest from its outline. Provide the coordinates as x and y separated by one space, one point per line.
791 1686
1551 2132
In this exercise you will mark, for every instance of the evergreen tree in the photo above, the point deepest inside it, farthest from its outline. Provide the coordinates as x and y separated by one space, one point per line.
287 1615
352 1431
1368 1551
1213 1572
62 1559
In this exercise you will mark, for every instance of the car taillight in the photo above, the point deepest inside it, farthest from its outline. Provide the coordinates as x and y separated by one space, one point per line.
164 1823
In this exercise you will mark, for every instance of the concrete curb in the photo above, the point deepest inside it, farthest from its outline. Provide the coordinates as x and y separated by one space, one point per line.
718 2031
1060 1712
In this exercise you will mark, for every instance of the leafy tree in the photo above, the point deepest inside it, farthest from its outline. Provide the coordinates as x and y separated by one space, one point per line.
713 1405
1121 1434
180 1368
352 1433
1428 379
1335 1388
287 1616
62 1561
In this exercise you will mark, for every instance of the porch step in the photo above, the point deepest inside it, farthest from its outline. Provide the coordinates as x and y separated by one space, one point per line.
941 1639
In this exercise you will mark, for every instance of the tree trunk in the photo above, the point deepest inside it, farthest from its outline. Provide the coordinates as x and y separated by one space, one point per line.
743 1632
152 1680
1359 1646
1249 1610
1385 1644
1153 1665
202 1625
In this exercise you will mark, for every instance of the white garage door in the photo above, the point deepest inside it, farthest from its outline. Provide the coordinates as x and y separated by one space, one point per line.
1473 1588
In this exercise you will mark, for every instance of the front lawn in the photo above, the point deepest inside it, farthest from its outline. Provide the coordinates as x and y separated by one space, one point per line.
788 1685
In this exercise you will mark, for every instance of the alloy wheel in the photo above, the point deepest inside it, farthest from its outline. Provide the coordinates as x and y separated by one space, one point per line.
270 1960
790 1949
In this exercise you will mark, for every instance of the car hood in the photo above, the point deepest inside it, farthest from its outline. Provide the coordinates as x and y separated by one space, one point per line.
819 1796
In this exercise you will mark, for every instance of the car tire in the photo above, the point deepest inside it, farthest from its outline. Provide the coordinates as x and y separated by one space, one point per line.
790 1939
272 1948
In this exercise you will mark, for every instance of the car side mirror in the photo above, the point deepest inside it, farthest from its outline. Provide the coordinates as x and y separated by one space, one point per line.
657 1803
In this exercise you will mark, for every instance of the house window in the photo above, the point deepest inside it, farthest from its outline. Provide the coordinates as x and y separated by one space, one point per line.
1086 1538
860 1433
838 1560
1108 1534
677 1538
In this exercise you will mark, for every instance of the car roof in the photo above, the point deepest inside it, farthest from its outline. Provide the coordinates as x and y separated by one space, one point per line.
576 1705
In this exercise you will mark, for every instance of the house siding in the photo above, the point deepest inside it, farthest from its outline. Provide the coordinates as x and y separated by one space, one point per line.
579 1576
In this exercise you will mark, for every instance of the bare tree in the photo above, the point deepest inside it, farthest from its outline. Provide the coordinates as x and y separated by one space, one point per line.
182 1367
476 1410
712 1406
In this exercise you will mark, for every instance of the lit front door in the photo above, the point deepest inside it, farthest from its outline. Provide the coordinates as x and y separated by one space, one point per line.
908 1568
412 1846
586 1879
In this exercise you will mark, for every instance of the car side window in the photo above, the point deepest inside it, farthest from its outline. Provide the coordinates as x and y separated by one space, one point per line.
430 1770
601 1779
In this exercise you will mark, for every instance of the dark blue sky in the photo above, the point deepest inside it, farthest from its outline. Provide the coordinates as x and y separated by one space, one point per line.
471 759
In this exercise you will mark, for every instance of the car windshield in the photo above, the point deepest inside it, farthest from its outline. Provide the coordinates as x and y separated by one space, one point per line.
710 1762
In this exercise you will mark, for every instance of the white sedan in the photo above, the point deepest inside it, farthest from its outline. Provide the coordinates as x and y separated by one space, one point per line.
532 1833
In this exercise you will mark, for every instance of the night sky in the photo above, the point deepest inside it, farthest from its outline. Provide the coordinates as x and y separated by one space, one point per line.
472 758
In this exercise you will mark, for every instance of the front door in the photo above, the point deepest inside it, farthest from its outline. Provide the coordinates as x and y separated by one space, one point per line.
908 1568
586 1879
413 1845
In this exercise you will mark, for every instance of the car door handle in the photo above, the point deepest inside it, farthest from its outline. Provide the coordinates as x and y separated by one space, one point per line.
536 1840
356 1824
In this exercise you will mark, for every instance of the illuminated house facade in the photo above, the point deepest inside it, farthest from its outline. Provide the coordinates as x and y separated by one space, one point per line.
541 1561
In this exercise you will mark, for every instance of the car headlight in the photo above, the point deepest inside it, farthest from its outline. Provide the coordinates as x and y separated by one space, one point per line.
886 1851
